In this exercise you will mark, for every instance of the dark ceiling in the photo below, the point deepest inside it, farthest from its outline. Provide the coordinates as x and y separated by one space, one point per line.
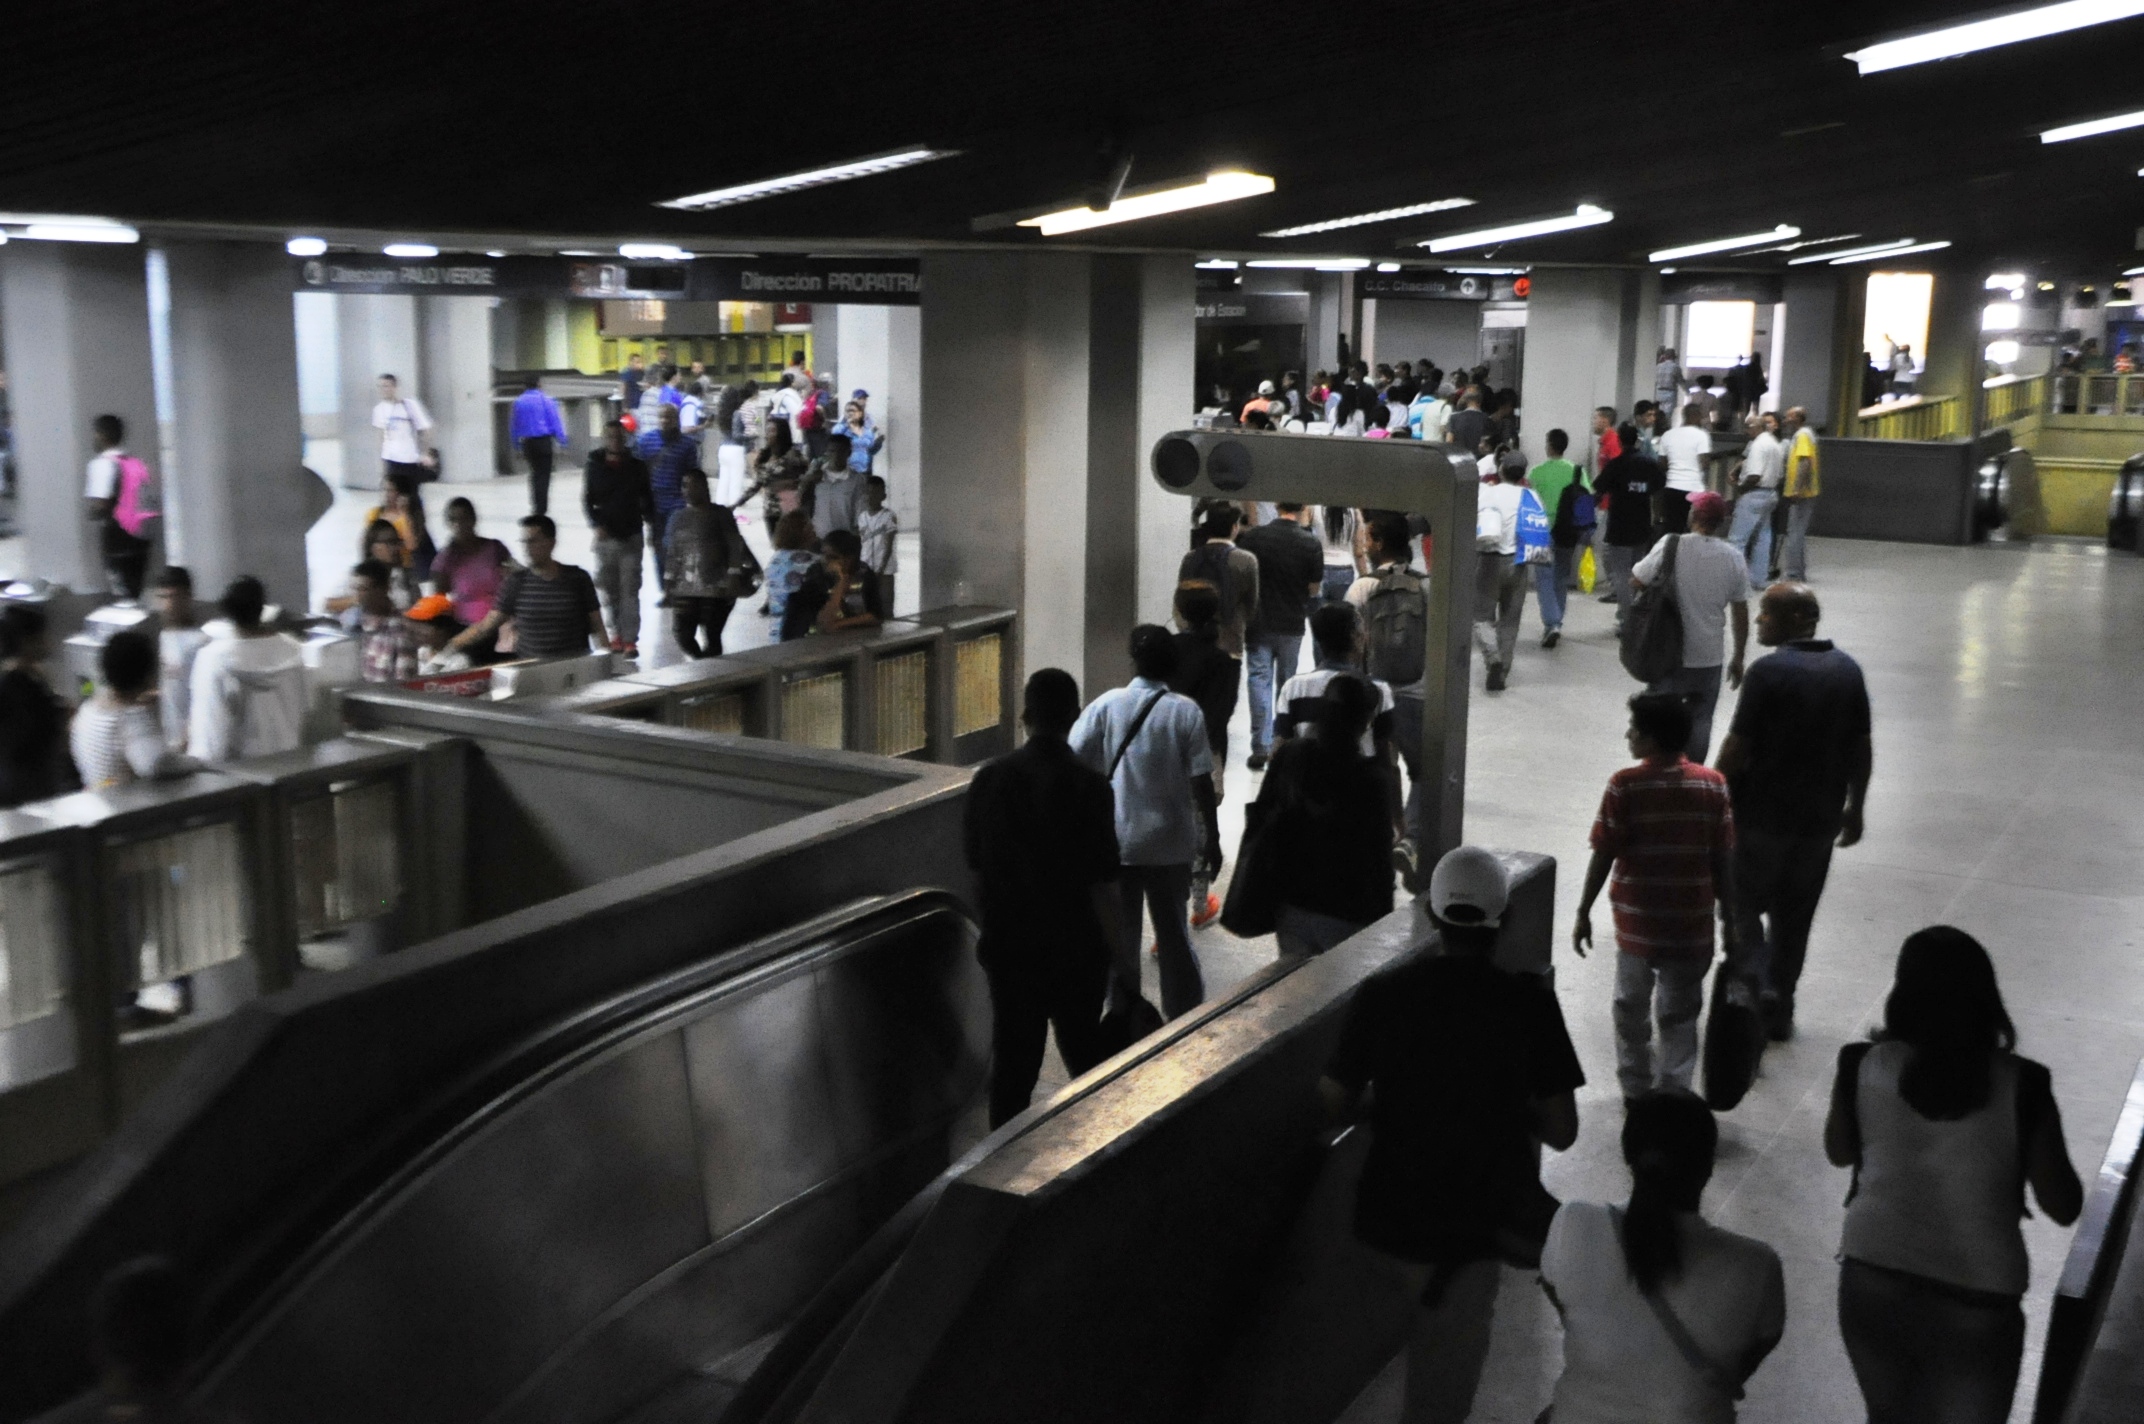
542 116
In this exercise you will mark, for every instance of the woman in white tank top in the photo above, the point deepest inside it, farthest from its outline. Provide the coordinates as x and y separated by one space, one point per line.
1944 1127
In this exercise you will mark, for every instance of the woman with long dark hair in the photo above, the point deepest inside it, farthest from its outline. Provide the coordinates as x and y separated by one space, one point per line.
1665 1316
1944 1125
1326 804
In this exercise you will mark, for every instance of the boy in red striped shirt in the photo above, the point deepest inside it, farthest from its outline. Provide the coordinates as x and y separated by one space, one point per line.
1667 829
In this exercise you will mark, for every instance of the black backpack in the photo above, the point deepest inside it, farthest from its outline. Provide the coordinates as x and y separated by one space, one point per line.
1652 625
1395 621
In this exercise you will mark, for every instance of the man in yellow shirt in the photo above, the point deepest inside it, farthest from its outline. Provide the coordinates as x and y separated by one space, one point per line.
1799 493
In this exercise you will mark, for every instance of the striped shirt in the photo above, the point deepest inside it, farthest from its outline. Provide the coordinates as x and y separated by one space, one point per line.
550 614
1663 821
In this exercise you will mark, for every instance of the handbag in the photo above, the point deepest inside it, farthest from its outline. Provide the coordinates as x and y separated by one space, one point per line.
427 455
1652 625
1253 904
1734 1039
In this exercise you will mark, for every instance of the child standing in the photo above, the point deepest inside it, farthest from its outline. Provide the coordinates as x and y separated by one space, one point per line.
794 554
878 528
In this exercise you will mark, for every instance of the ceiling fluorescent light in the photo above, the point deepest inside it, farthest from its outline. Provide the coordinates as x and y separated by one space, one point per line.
1412 210
1388 266
1869 251
306 246
55 227
410 249
1313 264
2133 272
1891 252
2092 127
1585 215
1724 244
653 252
1490 271
1224 187
1217 264
809 178
1976 35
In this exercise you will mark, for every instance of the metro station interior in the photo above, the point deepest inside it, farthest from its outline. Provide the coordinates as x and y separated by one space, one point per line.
478 1017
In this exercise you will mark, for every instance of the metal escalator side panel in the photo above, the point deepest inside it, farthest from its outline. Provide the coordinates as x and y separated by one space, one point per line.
550 1233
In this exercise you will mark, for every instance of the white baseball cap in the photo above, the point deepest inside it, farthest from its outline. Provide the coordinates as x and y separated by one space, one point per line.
1265 388
1469 887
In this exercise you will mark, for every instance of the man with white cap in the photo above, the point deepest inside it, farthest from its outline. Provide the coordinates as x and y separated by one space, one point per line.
1471 1067
1264 401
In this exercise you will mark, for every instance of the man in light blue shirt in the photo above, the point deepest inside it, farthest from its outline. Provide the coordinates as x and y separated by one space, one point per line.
1151 744
533 424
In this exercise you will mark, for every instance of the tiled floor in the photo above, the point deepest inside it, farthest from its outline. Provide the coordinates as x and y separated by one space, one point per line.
2006 800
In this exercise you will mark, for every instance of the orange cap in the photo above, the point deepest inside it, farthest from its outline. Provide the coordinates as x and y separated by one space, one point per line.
432 605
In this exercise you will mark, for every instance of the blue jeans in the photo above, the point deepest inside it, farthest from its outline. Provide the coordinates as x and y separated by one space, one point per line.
1548 589
1794 555
1753 521
1271 660
1339 578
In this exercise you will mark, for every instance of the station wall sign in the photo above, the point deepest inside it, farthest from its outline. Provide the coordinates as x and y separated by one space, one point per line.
1252 308
873 281
1680 287
1438 287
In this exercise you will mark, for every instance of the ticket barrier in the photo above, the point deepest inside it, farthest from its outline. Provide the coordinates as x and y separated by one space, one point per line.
935 688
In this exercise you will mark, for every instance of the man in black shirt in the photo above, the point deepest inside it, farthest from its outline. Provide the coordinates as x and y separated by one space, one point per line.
1797 762
1470 428
1469 1067
1042 838
1207 676
1626 485
1291 572
615 497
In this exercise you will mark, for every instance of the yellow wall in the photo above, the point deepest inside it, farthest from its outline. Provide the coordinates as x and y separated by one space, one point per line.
2074 494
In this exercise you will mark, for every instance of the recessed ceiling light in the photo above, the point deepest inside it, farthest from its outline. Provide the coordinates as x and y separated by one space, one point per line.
494 252
1977 35
1388 266
578 252
809 178
1841 261
56 227
306 246
1412 210
1224 187
653 252
2091 128
1999 280
1724 244
1871 250
410 249
1584 215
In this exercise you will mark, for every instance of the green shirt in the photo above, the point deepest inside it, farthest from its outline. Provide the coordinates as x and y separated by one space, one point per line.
1549 480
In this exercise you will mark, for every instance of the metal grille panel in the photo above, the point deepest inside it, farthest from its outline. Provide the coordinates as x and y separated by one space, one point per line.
903 701
978 671
344 857
723 712
179 903
33 944
815 712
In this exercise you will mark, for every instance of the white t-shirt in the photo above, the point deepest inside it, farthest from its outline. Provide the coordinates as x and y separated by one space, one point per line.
249 697
1709 575
1686 447
101 481
1496 516
1765 460
785 405
1620 1365
399 422
175 649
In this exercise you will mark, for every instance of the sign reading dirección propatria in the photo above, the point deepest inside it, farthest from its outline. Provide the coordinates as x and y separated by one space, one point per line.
871 281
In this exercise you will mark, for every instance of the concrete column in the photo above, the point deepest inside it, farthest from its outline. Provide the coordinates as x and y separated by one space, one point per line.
377 335
1951 366
1577 347
456 383
898 409
557 335
243 503
1044 504
75 317
1804 376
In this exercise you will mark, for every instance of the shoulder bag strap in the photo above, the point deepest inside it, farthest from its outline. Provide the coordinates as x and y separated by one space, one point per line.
1692 1353
1138 723
1667 563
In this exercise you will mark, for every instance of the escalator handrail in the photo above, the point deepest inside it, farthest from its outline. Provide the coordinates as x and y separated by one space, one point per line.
280 1256
780 1384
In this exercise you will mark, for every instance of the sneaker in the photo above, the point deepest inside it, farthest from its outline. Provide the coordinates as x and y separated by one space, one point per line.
1209 910
631 650
1496 677
1256 761
1608 597
1407 862
617 645
1552 637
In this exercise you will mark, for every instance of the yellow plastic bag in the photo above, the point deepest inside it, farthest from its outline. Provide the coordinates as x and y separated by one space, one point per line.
1585 570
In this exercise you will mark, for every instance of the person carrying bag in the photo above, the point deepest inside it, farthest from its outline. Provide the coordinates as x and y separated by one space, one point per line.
1651 647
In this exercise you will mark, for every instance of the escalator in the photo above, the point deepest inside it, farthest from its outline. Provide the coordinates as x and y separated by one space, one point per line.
627 1206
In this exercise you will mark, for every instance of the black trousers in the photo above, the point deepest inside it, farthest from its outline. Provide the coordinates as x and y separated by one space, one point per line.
126 560
1032 988
537 450
690 617
1778 881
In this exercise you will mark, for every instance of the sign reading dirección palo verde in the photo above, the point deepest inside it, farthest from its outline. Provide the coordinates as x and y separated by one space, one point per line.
870 281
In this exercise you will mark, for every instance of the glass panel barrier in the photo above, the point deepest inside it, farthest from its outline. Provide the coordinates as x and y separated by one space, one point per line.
179 906
33 943
977 683
902 698
815 710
